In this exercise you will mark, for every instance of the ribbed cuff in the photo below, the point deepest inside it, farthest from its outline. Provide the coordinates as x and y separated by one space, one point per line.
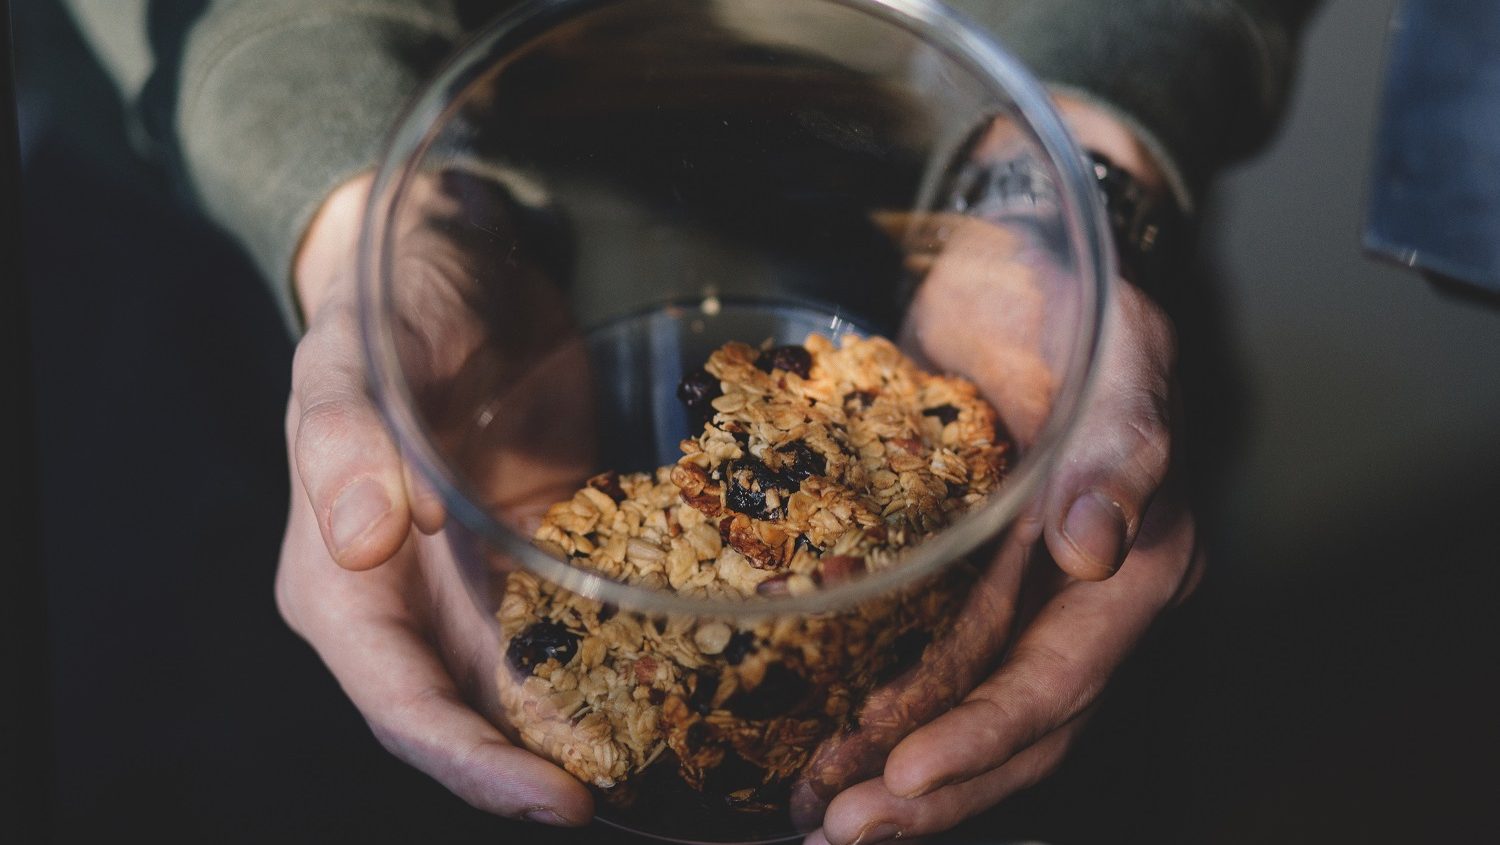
281 104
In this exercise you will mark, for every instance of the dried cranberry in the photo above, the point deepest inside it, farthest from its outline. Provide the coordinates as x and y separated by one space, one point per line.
801 463
697 391
793 359
741 644
778 694
608 483
944 413
541 642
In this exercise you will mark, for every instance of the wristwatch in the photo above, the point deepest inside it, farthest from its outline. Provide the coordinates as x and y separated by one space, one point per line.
1142 223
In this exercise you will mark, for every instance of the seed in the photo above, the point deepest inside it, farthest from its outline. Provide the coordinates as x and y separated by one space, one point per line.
776 586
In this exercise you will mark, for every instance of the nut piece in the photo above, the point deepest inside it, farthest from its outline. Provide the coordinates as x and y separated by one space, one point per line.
712 638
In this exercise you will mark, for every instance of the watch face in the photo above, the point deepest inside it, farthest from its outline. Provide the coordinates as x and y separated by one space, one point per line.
995 190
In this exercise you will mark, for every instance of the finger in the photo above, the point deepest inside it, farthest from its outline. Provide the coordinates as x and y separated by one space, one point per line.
1120 453
869 813
1056 668
427 511
350 468
406 694
949 669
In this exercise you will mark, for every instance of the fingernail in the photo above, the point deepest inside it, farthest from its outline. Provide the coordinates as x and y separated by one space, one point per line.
546 815
1095 525
877 832
357 510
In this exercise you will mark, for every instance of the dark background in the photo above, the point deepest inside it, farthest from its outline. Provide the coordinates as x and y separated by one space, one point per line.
1331 682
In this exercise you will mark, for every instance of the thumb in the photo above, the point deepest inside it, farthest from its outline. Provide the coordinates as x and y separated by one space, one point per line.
350 469
1122 450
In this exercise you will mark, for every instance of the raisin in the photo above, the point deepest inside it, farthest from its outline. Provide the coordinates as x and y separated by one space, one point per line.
741 644
802 462
748 481
702 697
804 544
541 642
793 359
608 483
778 694
656 696
944 413
697 391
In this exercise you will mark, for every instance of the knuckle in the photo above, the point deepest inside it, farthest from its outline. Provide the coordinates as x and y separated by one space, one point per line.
1048 682
1147 440
325 422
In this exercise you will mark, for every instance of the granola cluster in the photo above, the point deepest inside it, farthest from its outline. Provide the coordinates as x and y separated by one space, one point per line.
813 464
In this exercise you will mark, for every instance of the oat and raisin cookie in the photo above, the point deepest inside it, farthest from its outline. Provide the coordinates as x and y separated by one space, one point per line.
813 464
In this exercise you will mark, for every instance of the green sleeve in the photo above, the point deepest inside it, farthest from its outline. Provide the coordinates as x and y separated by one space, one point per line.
266 106
1203 82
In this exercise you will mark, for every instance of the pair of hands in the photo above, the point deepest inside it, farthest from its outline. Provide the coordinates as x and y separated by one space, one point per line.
363 573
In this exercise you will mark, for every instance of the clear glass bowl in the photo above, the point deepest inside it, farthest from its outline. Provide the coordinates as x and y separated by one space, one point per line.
591 198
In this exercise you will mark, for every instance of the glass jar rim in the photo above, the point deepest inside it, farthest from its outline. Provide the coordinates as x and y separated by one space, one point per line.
960 41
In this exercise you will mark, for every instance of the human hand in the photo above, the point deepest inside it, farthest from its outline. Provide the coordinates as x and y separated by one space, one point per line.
960 733
383 604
